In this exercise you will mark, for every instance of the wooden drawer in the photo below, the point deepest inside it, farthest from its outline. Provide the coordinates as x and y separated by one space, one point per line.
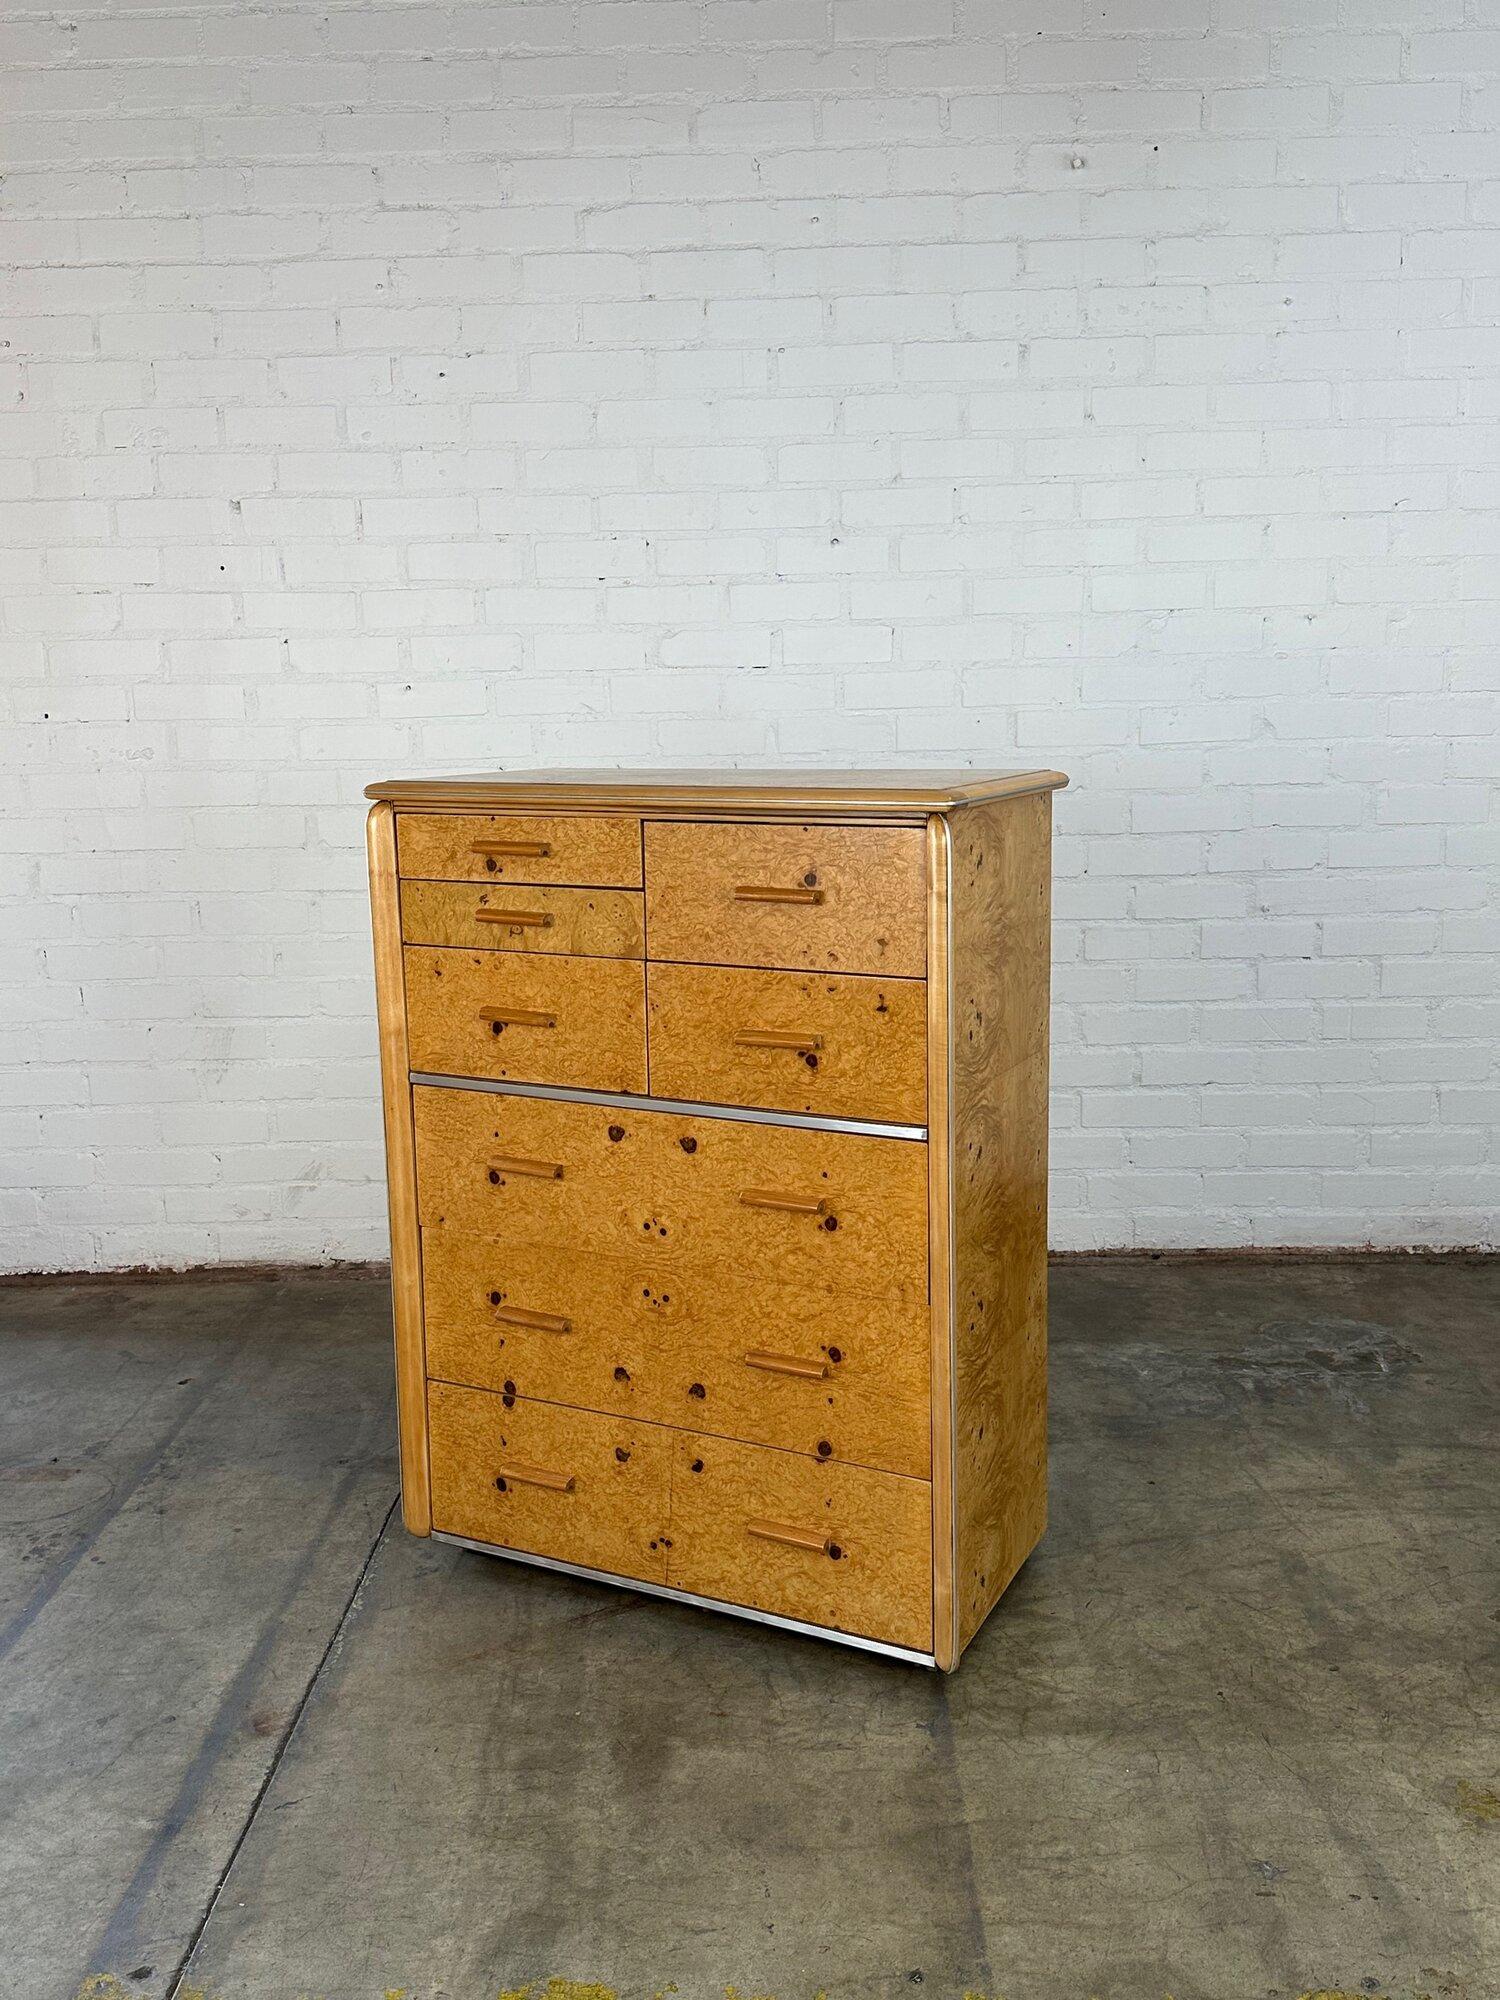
595 850
819 898
570 1484
832 1544
849 1047
586 923
527 1016
744 1205
834 1375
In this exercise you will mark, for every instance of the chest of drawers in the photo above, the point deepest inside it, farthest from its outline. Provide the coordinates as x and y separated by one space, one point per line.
716 1126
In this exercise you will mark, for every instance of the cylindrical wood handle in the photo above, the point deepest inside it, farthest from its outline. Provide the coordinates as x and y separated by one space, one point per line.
812 1539
786 1364
777 1038
516 1017
769 892
784 1204
535 1475
543 1322
542 1170
532 849
537 920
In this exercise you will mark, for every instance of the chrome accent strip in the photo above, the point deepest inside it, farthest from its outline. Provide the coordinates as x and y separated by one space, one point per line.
904 1653
622 1101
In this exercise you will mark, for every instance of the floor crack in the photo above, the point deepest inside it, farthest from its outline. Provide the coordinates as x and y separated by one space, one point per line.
180 1971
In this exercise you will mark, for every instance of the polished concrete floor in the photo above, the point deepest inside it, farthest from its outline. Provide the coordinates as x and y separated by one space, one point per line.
1232 1734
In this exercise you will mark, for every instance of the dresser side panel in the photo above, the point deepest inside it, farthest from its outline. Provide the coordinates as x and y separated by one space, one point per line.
1001 893
401 1173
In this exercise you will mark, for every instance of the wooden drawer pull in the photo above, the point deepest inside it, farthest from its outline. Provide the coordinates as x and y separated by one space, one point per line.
792 1538
534 1475
516 1017
542 1170
786 1364
784 1204
777 1038
543 1322
768 892
535 850
537 920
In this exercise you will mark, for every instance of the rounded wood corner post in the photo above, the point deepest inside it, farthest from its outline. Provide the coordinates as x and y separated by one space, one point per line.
940 1239
401 1171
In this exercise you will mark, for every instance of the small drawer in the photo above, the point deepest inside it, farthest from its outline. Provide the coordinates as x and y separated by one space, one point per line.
587 923
818 898
594 850
569 1484
830 1374
741 1205
527 1017
848 1047
833 1545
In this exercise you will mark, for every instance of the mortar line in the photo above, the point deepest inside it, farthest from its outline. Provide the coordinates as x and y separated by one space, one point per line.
180 1971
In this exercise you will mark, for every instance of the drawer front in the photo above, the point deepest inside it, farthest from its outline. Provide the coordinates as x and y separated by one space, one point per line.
596 851
849 1047
832 1544
586 923
818 898
527 1017
569 1484
835 1376
745 1204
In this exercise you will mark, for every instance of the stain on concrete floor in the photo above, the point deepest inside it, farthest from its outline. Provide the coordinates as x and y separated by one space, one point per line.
1231 1736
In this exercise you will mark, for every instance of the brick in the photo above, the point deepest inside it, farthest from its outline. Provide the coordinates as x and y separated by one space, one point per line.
347 363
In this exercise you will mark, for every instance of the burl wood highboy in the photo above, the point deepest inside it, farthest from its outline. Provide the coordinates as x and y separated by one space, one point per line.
716 1117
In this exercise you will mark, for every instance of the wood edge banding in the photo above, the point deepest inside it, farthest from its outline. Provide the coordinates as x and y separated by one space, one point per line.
401 1173
504 793
940 1243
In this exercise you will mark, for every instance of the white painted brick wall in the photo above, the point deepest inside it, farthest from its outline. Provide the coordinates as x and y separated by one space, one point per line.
1104 383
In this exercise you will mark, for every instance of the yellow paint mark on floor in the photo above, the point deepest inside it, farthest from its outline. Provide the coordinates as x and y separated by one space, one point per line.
1477 1802
560 1989
1340 1993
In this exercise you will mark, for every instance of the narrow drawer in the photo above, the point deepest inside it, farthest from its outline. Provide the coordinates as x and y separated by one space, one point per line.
527 1017
849 1047
587 923
569 1484
832 1544
594 850
834 1375
819 898
743 1205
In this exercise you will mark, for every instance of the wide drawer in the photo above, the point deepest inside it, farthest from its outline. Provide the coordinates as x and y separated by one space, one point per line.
848 1047
742 1204
595 850
832 1544
820 898
527 1017
586 923
570 1484
835 1375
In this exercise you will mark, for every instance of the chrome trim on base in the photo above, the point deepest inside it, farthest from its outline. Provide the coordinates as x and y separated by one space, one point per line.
903 1653
617 1100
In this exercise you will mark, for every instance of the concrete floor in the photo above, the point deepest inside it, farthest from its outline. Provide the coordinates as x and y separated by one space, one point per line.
1232 1734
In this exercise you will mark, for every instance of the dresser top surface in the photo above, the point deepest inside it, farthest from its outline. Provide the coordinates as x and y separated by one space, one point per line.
855 794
